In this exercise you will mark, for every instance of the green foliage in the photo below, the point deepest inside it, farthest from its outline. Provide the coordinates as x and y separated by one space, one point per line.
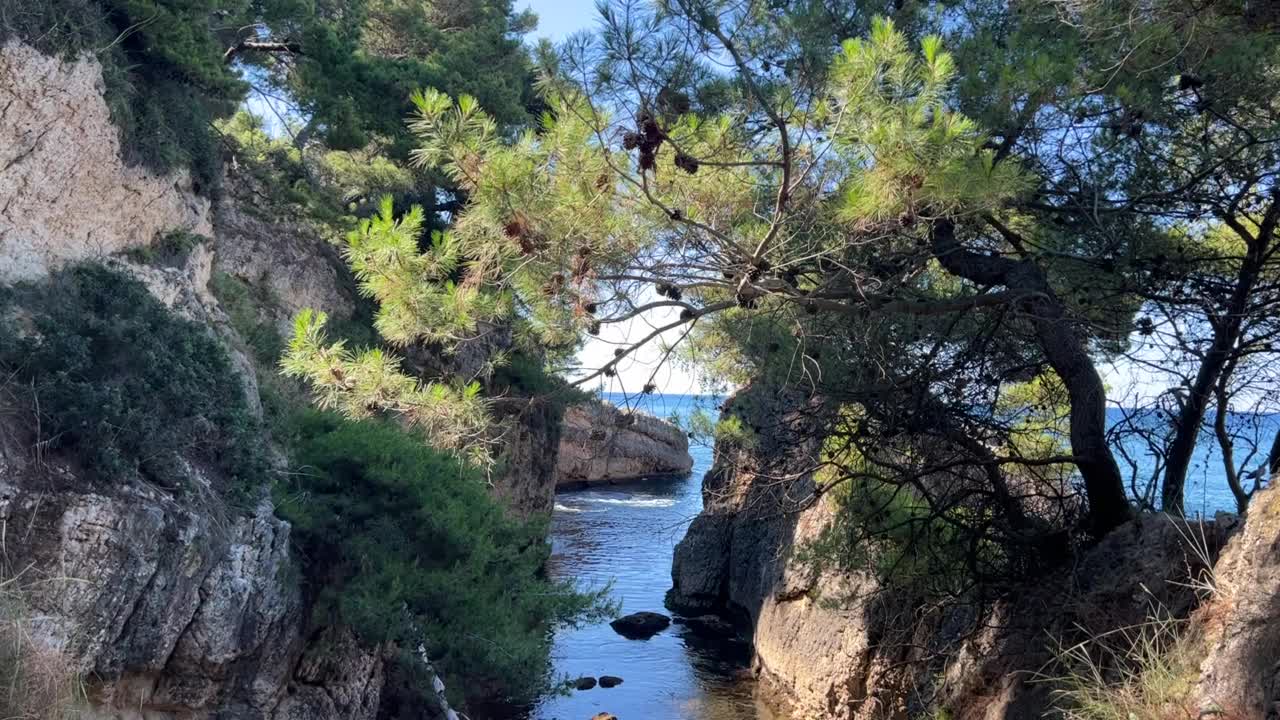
896 535
126 386
406 545
416 293
169 250
1146 672
367 382
889 111
362 64
243 306
330 187
727 431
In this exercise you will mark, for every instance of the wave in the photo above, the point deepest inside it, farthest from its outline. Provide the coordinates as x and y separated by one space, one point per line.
566 509
654 502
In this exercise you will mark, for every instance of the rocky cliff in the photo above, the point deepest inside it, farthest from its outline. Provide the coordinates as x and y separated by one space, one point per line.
64 192
600 444
842 646
168 603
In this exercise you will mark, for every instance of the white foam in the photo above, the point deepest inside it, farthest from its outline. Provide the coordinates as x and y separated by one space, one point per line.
629 501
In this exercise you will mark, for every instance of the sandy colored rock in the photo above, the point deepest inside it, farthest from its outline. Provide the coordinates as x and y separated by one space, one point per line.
1240 675
601 444
65 194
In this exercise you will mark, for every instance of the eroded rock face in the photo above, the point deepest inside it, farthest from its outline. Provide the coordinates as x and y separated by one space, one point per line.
600 444
843 647
1240 676
164 605
174 606
65 195
285 259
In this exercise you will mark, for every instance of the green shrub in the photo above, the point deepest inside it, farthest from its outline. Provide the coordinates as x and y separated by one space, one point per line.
126 386
169 250
405 544
243 304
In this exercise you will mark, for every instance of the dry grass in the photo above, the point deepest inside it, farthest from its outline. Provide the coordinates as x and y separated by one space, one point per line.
37 682
1145 672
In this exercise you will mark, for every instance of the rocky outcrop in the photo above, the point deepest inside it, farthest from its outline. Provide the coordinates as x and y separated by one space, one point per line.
172 609
1240 675
168 603
65 194
601 444
841 646
284 258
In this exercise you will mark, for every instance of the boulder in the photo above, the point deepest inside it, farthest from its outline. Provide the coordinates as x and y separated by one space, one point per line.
641 625
604 716
601 444
608 681
584 683
1240 674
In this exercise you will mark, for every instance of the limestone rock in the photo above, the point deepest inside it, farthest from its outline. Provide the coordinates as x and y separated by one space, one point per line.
601 444
842 647
286 260
65 194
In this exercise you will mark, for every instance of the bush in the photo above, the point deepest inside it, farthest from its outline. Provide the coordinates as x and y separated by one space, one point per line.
1146 672
405 544
242 304
169 250
124 385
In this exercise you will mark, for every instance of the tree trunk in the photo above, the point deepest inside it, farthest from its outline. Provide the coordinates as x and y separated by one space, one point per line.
1226 333
1065 351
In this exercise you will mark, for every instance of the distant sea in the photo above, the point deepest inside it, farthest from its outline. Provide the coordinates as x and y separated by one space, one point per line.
1206 493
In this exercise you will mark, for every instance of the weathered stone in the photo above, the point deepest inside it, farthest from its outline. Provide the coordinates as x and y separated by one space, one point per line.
843 647
713 625
65 194
600 444
1240 675
641 625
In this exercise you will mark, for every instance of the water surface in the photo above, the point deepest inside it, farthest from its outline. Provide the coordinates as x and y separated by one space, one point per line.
626 534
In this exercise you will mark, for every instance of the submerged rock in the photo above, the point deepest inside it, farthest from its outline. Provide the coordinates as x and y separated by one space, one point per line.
608 681
641 625
604 716
709 625
584 683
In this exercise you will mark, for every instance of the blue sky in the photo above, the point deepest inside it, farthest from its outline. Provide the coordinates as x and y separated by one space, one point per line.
558 19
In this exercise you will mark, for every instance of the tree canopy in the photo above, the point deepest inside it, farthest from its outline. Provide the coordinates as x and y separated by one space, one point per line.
941 219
